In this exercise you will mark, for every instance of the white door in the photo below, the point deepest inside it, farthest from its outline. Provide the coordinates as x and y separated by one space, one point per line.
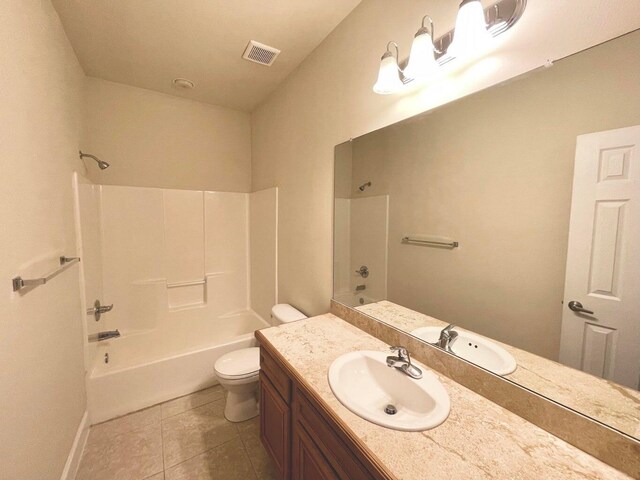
603 260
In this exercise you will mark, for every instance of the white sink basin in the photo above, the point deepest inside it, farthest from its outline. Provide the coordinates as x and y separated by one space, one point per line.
364 384
473 348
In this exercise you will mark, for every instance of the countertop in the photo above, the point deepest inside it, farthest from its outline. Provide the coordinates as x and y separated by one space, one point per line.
478 440
608 402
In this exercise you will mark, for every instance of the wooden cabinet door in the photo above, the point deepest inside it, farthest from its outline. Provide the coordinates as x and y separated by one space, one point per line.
308 461
275 424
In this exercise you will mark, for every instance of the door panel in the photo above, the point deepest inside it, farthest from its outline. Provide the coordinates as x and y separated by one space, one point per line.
603 258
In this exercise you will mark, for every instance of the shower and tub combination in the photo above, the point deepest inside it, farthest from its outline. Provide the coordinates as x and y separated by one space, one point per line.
177 267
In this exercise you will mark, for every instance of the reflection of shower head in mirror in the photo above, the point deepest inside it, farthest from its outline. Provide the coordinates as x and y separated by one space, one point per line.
363 186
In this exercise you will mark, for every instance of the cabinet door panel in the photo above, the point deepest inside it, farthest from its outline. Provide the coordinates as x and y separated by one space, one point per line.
275 424
308 461
279 379
345 463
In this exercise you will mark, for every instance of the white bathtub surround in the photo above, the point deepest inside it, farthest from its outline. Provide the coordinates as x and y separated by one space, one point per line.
175 264
184 249
361 239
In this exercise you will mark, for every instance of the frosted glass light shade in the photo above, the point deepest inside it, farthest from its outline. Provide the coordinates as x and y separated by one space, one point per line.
470 35
388 76
422 60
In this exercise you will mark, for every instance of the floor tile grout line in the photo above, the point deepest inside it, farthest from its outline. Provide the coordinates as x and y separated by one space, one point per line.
246 450
201 453
188 410
160 405
128 433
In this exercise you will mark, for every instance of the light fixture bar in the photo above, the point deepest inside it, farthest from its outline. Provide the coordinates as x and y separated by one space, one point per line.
500 17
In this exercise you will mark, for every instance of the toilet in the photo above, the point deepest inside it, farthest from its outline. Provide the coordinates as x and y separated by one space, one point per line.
238 371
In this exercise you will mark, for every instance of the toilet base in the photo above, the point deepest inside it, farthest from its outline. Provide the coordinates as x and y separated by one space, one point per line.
241 406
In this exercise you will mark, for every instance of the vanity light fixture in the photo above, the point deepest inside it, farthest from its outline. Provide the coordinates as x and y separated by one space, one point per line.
474 30
389 74
422 59
470 36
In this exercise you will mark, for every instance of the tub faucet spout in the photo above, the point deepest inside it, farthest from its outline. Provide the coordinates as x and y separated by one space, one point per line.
100 336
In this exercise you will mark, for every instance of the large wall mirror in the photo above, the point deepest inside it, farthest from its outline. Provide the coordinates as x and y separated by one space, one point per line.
513 214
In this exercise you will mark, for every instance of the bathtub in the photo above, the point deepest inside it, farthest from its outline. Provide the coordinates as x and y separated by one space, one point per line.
148 367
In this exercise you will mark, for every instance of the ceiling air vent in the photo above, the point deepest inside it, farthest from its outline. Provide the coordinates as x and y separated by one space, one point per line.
260 53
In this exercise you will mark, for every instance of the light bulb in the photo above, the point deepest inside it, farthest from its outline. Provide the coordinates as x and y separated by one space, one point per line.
422 60
388 76
470 35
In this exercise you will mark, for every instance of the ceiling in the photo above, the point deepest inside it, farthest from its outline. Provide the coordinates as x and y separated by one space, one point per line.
148 43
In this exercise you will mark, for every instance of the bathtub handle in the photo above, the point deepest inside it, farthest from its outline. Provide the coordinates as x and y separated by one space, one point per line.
97 310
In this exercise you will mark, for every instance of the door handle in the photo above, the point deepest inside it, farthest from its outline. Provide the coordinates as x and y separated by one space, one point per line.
577 307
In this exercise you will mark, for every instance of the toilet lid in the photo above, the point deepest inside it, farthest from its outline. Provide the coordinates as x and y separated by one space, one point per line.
239 363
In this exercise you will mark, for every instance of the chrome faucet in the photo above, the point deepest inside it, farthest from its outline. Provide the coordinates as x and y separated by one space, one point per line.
403 362
100 336
97 310
447 335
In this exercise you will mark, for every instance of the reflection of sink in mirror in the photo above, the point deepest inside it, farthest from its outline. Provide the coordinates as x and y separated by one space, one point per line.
364 384
473 348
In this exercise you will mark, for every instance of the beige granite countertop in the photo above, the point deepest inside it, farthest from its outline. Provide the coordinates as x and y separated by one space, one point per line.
605 401
478 440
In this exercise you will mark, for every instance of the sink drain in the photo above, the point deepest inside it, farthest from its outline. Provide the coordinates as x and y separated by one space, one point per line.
390 410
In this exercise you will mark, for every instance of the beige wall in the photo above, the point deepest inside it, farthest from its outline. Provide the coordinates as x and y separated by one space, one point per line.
494 171
263 251
156 140
328 99
41 346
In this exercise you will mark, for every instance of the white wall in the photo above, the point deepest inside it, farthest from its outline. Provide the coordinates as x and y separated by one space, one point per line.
156 140
41 346
328 100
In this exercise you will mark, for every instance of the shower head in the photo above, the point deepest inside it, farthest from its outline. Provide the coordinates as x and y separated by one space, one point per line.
101 163
363 186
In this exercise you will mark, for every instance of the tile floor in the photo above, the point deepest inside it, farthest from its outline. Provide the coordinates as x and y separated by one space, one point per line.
185 438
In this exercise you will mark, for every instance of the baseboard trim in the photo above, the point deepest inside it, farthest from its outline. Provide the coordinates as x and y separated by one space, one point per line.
75 454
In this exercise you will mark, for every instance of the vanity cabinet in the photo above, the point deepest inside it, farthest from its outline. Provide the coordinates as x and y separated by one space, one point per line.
301 437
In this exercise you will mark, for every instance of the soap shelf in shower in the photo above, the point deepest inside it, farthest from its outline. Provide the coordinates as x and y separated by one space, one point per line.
65 262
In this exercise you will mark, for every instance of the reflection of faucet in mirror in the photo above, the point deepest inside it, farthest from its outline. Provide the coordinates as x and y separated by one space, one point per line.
363 271
447 335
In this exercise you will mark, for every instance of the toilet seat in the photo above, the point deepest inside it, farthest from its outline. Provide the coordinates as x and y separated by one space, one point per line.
239 364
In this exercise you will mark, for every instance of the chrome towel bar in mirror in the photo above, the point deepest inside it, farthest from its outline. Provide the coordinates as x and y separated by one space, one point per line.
451 244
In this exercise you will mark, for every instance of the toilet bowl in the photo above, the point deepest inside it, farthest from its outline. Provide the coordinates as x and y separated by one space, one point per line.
238 371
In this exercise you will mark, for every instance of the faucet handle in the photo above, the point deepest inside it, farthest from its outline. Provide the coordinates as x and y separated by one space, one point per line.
447 332
402 351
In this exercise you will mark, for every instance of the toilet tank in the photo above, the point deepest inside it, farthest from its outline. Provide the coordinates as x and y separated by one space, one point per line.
285 313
